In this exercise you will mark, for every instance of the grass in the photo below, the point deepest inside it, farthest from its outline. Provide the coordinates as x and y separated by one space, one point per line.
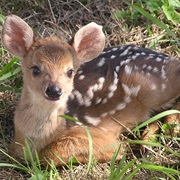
158 30
123 170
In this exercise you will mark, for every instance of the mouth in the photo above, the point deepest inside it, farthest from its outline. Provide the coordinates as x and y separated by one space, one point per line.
52 98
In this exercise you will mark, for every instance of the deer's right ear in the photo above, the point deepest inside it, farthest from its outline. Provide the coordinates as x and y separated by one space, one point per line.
17 36
89 42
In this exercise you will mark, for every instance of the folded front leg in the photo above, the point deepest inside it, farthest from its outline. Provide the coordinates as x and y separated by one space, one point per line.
75 143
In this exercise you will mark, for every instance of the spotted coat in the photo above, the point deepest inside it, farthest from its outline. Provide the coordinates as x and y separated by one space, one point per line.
110 83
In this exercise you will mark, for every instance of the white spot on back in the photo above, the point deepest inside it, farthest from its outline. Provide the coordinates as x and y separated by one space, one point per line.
136 67
81 77
122 63
149 68
80 72
163 72
125 52
98 100
143 53
137 54
127 99
110 94
104 114
92 120
109 51
150 56
148 74
114 49
127 61
87 102
128 69
78 96
90 92
120 106
104 100
113 56
155 70
117 68
134 57
101 81
153 87
163 86
131 91
158 59
112 88
71 96
112 111
101 62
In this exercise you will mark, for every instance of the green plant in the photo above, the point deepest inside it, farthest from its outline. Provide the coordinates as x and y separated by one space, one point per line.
168 7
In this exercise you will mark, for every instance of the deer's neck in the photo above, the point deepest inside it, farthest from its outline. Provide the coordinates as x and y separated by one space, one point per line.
39 119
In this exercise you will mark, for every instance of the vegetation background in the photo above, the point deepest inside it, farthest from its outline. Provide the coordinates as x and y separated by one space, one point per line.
152 24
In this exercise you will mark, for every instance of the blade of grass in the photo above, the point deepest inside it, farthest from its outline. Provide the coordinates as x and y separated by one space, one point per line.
10 74
69 118
160 169
154 118
90 149
124 170
154 145
131 175
114 170
6 88
14 160
12 166
8 66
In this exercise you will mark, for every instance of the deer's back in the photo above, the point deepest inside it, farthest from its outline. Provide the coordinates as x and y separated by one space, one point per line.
123 78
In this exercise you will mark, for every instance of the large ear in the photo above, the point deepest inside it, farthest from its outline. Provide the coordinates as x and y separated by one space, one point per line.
89 42
17 36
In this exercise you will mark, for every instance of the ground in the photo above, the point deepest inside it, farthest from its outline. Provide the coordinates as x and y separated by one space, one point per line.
63 18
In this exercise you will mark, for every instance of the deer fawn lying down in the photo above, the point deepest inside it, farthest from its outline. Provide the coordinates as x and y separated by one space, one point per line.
106 89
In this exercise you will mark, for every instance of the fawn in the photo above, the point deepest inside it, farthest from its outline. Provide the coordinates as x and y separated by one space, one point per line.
106 89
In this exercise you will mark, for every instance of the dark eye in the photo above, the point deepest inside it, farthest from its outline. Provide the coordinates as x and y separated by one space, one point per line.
70 73
36 70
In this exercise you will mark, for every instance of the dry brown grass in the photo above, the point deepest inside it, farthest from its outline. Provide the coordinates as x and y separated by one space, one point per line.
62 18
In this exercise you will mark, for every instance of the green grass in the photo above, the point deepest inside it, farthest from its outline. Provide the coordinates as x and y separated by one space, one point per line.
118 170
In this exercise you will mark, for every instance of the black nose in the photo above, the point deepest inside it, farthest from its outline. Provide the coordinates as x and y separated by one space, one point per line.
53 92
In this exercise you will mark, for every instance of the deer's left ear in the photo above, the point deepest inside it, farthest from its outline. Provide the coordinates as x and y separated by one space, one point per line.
89 42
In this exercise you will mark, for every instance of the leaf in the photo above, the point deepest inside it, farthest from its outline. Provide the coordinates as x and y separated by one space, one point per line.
174 3
73 160
171 14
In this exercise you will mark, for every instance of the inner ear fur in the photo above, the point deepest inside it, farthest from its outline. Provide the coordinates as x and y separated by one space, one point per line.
89 42
17 36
